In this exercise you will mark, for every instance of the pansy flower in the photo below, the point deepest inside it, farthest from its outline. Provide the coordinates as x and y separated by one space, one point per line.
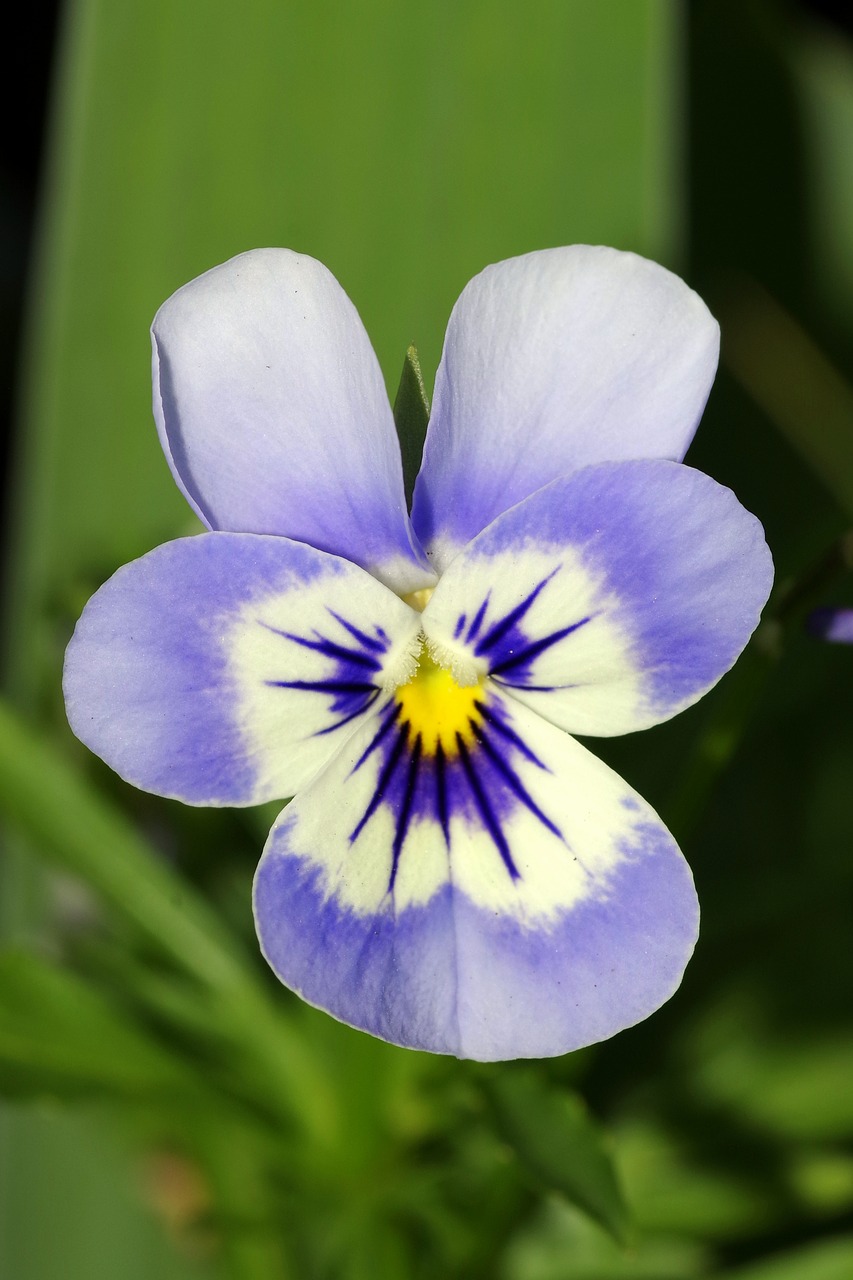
456 872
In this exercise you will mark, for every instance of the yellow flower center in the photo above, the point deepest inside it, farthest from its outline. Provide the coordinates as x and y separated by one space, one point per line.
438 709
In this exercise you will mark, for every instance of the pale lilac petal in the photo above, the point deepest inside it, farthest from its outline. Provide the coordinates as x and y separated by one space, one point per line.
228 668
611 599
552 361
519 900
274 417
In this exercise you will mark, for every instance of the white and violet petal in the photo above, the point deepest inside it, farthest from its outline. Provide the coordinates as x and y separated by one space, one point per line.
228 668
608 601
552 361
505 897
274 417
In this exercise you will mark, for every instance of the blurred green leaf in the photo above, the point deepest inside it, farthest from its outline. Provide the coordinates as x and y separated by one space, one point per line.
822 61
245 1217
72 1207
726 723
789 377
411 417
826 1260
556 1139
83 832
559 1242
674 1192
67 820
799 1087
822 1179
58 1036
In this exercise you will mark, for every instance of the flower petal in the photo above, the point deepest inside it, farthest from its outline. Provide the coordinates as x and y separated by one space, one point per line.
273 414
611 599
227 668
552 361
517 900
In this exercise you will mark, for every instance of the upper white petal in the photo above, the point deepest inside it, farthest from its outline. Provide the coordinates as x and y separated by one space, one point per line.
551 361
273 414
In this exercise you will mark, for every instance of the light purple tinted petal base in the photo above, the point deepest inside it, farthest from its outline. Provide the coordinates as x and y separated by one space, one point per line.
451 977
273 413
553 361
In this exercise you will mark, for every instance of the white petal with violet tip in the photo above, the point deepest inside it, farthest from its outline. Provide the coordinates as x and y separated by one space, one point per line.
227 668
611 599
514 899
274 417
552 361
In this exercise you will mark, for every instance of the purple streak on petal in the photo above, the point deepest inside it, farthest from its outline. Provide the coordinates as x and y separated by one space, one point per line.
358 710
349 698
511 777
386 777
533 688
378 643
510 649
508 624
376 741
477 620
452 977
503 728
441 811
483 799
392 977
329 649
405 814
324 686
524 657
351 694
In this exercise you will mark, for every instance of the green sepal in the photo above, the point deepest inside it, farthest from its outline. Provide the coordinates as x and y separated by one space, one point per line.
411 417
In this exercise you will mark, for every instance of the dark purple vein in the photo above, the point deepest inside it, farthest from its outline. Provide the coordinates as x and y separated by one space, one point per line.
485 809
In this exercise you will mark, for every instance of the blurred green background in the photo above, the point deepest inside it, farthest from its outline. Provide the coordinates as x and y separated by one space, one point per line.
170 1110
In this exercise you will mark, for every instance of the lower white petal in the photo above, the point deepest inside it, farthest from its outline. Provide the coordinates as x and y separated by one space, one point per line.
513 898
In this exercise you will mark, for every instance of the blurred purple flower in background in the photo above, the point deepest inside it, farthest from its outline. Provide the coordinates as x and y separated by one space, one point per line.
833 624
